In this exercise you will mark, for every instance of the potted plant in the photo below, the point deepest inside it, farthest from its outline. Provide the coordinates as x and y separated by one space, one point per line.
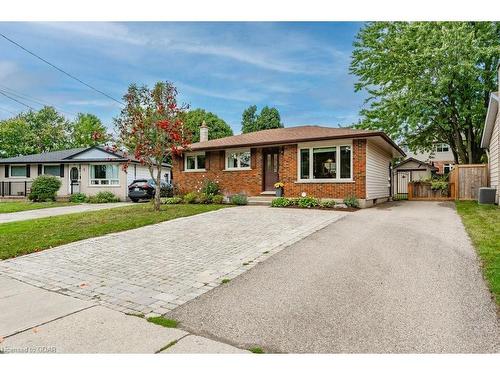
279 188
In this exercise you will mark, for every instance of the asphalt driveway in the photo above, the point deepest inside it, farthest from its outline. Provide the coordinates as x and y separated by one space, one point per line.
400 277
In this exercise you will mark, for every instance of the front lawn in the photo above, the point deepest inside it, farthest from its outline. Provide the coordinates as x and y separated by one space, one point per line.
482 222
24 237
16 206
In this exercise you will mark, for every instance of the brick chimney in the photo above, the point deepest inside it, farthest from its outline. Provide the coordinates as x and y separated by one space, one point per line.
203 132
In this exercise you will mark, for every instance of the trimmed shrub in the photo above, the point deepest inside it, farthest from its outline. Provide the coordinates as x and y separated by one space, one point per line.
282 202
217 199
203 198
190 197
78 198
327 203
210 187
239 199
307 202
172 200
44 188
351 201
104 197
166 191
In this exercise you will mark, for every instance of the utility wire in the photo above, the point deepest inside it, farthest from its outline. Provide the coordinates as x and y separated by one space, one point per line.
18 101
31 99
60 70
7 110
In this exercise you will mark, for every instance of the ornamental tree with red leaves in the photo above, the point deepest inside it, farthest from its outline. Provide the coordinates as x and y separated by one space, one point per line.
150 127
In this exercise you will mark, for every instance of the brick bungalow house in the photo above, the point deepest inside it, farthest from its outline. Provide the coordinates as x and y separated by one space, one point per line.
318 161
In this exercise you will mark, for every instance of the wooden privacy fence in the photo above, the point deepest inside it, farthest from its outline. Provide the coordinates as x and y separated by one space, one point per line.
464 182
423 191
467 179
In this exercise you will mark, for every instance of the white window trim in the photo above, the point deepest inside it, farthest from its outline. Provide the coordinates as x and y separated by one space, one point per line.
18 165
441 146
102 179
312 146
449 165
238 168
196 169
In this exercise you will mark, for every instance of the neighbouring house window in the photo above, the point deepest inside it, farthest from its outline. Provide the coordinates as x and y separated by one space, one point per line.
52 170
325 163
104 174
239 159
18 171
447 168
442 147
194 162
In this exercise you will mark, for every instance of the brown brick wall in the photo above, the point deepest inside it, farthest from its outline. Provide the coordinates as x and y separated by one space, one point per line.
250 182
288 175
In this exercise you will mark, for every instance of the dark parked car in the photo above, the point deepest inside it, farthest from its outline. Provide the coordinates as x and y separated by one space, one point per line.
145 189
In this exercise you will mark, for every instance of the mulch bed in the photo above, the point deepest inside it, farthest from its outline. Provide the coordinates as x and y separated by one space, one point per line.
348 209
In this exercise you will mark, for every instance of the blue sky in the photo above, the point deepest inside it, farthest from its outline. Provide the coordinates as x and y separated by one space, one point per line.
299 68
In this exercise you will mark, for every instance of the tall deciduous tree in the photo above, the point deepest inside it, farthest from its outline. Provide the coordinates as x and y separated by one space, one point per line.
88 130
16 138
428 81
217 127
151 127
269 118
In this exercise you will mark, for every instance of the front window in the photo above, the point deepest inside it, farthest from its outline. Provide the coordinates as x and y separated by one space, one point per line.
52 170
104 174
447 168
325 163
238 159
18 171
194 162
442 147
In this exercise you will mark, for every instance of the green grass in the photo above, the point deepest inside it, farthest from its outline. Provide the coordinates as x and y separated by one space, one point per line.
164 322
256 350
17 206
482 222
24 237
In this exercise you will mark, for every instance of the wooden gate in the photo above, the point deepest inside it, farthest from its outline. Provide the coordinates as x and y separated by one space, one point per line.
467 179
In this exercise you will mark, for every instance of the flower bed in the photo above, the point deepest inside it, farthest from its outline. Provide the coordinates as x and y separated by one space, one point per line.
350 203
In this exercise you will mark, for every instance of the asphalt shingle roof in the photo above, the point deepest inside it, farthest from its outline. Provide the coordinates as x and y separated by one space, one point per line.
288 135
45 157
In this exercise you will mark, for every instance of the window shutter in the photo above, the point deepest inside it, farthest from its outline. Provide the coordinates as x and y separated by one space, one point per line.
7 168
28 170
181 161
61 170
207 160
40 171
253 158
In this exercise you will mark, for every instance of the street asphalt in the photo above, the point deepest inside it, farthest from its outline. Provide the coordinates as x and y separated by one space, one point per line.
401 277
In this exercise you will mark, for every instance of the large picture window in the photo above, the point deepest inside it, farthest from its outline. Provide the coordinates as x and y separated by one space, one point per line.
104 174
238 159
52 170
331 163
195 162
18 171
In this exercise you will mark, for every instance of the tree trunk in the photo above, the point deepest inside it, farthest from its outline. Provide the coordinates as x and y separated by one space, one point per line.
157 204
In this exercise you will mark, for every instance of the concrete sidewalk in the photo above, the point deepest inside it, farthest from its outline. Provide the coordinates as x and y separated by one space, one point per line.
33 320
56 211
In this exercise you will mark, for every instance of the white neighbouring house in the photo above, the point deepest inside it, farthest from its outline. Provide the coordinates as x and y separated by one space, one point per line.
491 142
86 170
441 157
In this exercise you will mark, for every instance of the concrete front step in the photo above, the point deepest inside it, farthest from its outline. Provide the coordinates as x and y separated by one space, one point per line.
262 200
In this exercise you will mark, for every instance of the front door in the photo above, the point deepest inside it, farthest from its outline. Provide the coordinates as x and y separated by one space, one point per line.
271 168
74 180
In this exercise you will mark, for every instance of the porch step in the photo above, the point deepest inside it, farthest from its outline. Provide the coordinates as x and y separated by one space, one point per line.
261 200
